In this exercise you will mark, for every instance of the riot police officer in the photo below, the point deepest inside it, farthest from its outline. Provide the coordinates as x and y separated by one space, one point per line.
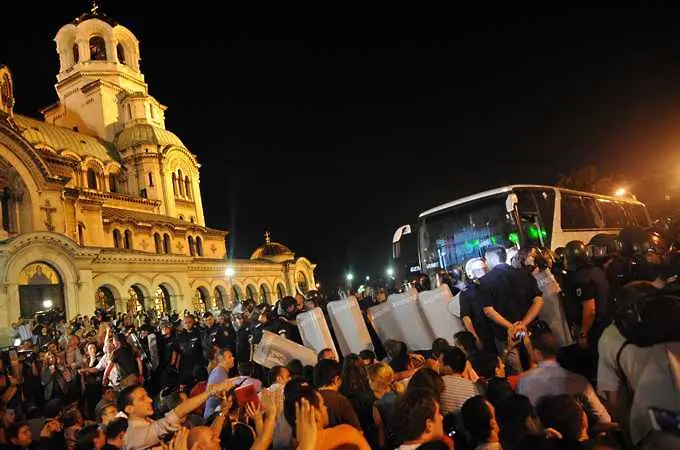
587 291
471 312
190 349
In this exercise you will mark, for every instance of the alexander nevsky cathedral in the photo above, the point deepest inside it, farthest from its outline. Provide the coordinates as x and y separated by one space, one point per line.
100 205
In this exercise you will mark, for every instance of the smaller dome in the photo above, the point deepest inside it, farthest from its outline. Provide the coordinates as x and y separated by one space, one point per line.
272 251
145 134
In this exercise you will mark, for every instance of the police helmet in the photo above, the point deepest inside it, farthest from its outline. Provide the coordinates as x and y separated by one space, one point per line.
575 255
639 242
604 245
475 268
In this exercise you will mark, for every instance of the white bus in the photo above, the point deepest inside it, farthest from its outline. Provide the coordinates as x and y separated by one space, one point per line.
450 234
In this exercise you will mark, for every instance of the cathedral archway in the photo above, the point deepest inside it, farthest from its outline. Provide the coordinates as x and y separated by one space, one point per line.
265 294
280 290
220 297
236 295
302 283
104 298
161 300
135 299
40 288
251 292
201 299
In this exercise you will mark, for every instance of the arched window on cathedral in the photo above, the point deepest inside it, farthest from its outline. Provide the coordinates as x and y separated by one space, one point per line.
81 234
199 246
113 183
129 111
167 245
76 54
91 179
97 48
120 52
192 249
174 184
117 239
152 112
150 179
128 239
179 182
187 185
159 242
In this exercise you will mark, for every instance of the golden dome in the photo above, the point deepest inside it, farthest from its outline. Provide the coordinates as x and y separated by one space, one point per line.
272 251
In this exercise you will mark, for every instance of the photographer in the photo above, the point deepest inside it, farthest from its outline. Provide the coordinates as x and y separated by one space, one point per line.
55 378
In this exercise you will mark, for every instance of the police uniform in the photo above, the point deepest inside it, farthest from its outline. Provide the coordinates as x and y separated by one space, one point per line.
191 354
586 283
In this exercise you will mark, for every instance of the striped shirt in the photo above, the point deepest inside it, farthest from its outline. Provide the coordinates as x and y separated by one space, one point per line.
456 390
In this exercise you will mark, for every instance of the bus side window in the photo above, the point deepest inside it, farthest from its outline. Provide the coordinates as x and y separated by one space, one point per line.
594 215
573 215
638 212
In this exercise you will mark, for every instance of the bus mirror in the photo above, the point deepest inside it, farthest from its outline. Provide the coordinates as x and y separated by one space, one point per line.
510 202
402 230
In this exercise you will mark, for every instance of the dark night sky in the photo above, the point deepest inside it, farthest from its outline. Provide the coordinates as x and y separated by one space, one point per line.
331 127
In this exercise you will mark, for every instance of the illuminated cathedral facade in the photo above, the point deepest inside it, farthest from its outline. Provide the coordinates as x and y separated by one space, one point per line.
100 205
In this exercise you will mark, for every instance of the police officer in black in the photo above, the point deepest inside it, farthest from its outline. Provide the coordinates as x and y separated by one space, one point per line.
587 295
190 349
212 335
472 314
509 297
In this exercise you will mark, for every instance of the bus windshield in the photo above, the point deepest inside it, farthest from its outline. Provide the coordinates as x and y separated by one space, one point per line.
450 238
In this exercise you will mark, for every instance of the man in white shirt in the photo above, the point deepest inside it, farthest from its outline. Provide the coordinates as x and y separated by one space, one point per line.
144 433
549 378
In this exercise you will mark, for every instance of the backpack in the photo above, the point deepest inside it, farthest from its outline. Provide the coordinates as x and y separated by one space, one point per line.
646 316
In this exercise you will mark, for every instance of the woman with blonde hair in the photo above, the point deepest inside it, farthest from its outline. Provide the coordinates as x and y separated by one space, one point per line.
381 381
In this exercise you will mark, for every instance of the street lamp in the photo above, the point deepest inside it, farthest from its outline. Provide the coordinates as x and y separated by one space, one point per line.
368 278
229 271
390 271
620 192
349 277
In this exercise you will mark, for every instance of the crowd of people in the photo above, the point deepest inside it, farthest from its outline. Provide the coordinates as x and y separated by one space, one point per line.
551 358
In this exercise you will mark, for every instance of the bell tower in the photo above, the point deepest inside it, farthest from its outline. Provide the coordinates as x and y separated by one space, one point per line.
100 86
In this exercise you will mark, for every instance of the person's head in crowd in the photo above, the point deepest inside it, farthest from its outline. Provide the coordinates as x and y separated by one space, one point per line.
497 390
487 365
351 359
279 375
165 327
327 374
354 379
199 373
308 372
564 414
417 417
145 330
288 305
495 256
135 402
517 419
19 434
74 341
453 361
54 409
543 346
208 319
395 349
91 349
296 368
115 432
326 353
225 359
381 295
189 322
120 341
381 377
367 357
479 420
438 347
299 302
426 379
73 417
203 438
8 416
294 393
90 437
465 341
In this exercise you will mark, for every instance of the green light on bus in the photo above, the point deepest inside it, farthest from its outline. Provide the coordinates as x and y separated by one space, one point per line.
493 240
514 238
532 232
